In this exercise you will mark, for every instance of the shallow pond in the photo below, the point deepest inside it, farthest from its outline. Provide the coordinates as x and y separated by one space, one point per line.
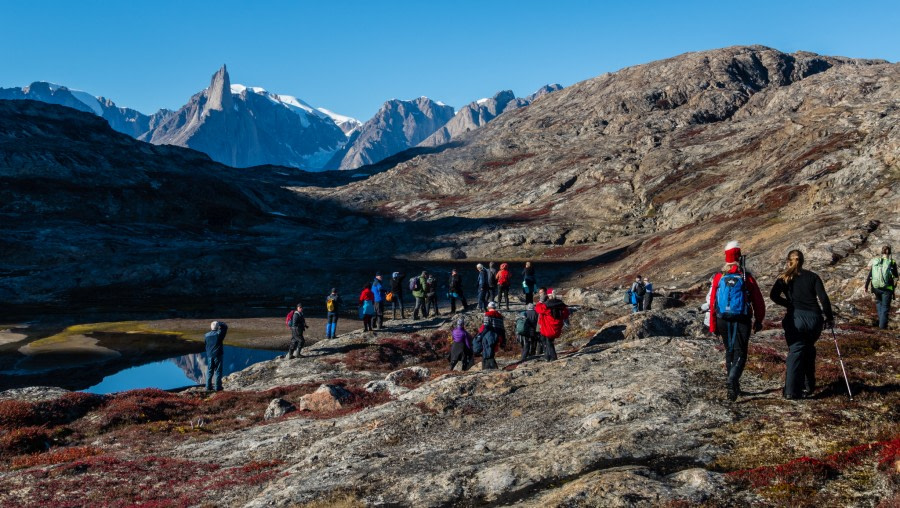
180 371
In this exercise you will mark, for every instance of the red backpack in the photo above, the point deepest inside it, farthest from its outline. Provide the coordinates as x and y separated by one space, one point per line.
287 320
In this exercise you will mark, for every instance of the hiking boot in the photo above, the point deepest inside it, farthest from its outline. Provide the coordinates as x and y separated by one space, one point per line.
732 393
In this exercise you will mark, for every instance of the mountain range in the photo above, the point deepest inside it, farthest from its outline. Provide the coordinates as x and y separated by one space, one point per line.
249 126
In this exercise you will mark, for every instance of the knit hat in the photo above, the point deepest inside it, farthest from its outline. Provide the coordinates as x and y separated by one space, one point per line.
732 252
460 322
492 305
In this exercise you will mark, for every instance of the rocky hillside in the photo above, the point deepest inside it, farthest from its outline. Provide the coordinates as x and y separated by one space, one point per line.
653 168
93 218
633 414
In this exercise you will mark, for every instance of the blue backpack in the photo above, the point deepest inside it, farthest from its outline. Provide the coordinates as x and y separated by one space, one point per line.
731 296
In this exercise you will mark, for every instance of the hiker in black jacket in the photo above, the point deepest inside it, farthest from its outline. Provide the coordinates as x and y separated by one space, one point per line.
529 281
526 330
431 301
801 291
492 281
397 294
215 352
456 291
298 326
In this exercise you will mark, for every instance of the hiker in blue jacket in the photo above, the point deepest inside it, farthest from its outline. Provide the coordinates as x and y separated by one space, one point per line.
215 351
380 298
483 285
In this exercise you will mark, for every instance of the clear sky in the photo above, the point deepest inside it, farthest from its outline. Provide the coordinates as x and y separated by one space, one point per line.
350 56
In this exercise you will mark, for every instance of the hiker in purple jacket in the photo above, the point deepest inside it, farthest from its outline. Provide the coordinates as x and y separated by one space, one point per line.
461 350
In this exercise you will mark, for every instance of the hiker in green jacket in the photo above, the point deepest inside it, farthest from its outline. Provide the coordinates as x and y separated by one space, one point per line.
882 277
417 286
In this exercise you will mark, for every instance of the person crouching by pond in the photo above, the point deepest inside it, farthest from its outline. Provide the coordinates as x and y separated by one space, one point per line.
215 351
492 325
367 307
298 326
798 290
461 350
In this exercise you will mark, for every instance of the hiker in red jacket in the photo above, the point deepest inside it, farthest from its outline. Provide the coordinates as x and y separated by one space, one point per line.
367 307
552 314
735 299
503 284
492 320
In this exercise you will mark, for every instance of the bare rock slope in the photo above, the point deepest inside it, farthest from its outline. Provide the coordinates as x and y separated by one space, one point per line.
654 167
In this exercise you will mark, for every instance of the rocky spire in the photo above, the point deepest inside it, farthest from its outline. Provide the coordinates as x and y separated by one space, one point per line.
219 91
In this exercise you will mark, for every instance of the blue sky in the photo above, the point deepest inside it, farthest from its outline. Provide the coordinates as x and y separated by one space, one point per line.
350 56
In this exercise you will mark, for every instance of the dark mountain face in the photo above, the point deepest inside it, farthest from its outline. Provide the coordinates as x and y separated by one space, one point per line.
397 126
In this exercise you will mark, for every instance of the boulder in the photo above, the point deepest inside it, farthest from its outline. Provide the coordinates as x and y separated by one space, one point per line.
325 398
380 385
408 375
278 408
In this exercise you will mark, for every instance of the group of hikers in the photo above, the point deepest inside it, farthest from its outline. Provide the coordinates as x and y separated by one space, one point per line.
736 306
734 303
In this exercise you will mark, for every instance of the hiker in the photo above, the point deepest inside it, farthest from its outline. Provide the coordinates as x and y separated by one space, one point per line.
503 284
552 316
380 296
333 305
397 294
484 286
492 281
215 352
798 290
495 336
456 291
529 281
735 301
367 307
431 302
298 326
417 287
461 350
648 294
882 276
526 330
637 291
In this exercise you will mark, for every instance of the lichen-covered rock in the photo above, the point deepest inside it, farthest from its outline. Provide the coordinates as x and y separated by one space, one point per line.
408 375
325 398
278 408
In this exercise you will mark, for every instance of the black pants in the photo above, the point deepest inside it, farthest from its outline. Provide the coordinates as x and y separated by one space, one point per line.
459 353
484 296
489 363
527 342
504 293
801 331
297 342
397 302
453 299
736 338
378 322
883 299
420 306
529 294
549 348
214 370
431 305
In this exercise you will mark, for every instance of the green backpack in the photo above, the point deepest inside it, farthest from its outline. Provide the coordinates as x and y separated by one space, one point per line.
882 273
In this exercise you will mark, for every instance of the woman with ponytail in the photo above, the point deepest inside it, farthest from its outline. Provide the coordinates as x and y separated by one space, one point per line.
801 292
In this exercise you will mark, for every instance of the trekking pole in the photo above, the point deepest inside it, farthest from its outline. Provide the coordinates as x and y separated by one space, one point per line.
840 359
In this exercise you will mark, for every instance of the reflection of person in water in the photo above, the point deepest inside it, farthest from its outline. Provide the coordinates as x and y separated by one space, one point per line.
215 351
